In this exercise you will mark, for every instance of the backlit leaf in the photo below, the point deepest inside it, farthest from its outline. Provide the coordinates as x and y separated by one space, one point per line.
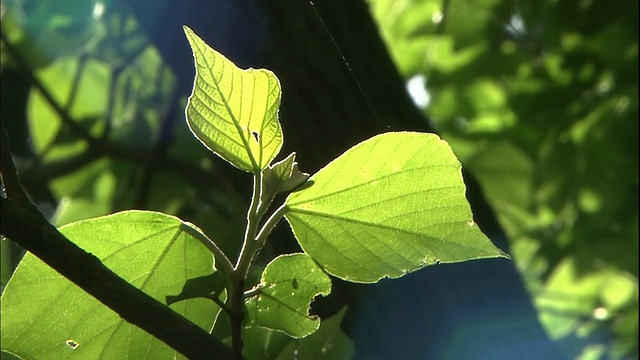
281 176
234 112
44 315
390 205
289 283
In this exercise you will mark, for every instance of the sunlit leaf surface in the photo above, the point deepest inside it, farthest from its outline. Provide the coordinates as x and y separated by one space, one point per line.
388 206
44 315
289 283
234 112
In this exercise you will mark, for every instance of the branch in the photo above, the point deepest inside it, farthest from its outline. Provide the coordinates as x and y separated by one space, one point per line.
25 225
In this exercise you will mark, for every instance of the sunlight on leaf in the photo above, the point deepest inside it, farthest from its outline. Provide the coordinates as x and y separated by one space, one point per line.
390 205
49 136
44 315
234 112
596 296
289 283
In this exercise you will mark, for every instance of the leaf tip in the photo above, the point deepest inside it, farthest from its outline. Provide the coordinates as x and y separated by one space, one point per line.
187 31
504 255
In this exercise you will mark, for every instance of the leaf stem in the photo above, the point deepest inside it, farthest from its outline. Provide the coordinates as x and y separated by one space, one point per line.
253 291
253 218
254 240
239 273
271 222
222 306
222 261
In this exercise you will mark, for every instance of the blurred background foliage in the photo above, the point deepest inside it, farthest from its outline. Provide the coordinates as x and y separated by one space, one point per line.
538 99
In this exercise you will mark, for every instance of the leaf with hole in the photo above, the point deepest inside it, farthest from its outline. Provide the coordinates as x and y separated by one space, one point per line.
234 112
390 205
44 315
289 283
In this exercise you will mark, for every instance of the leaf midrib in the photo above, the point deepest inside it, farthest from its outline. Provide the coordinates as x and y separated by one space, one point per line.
386 227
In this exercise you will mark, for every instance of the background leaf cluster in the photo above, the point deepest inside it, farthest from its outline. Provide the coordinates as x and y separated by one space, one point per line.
540 100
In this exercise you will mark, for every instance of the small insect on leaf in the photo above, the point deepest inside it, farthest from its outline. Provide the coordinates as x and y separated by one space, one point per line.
256 136
294 283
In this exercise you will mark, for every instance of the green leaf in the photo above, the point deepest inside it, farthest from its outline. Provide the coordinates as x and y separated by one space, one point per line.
234 112
329 343
44 315
289 284
390 205
281 176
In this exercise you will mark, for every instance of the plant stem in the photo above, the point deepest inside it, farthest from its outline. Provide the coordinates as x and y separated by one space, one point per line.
236 314
253 218
254 240
239 274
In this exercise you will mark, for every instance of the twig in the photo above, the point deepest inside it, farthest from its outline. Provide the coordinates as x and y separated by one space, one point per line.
113 81
75 85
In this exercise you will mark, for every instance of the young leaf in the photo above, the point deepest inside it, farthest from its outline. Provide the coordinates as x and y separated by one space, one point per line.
234 112
44 315
281 176
289 284
388 206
